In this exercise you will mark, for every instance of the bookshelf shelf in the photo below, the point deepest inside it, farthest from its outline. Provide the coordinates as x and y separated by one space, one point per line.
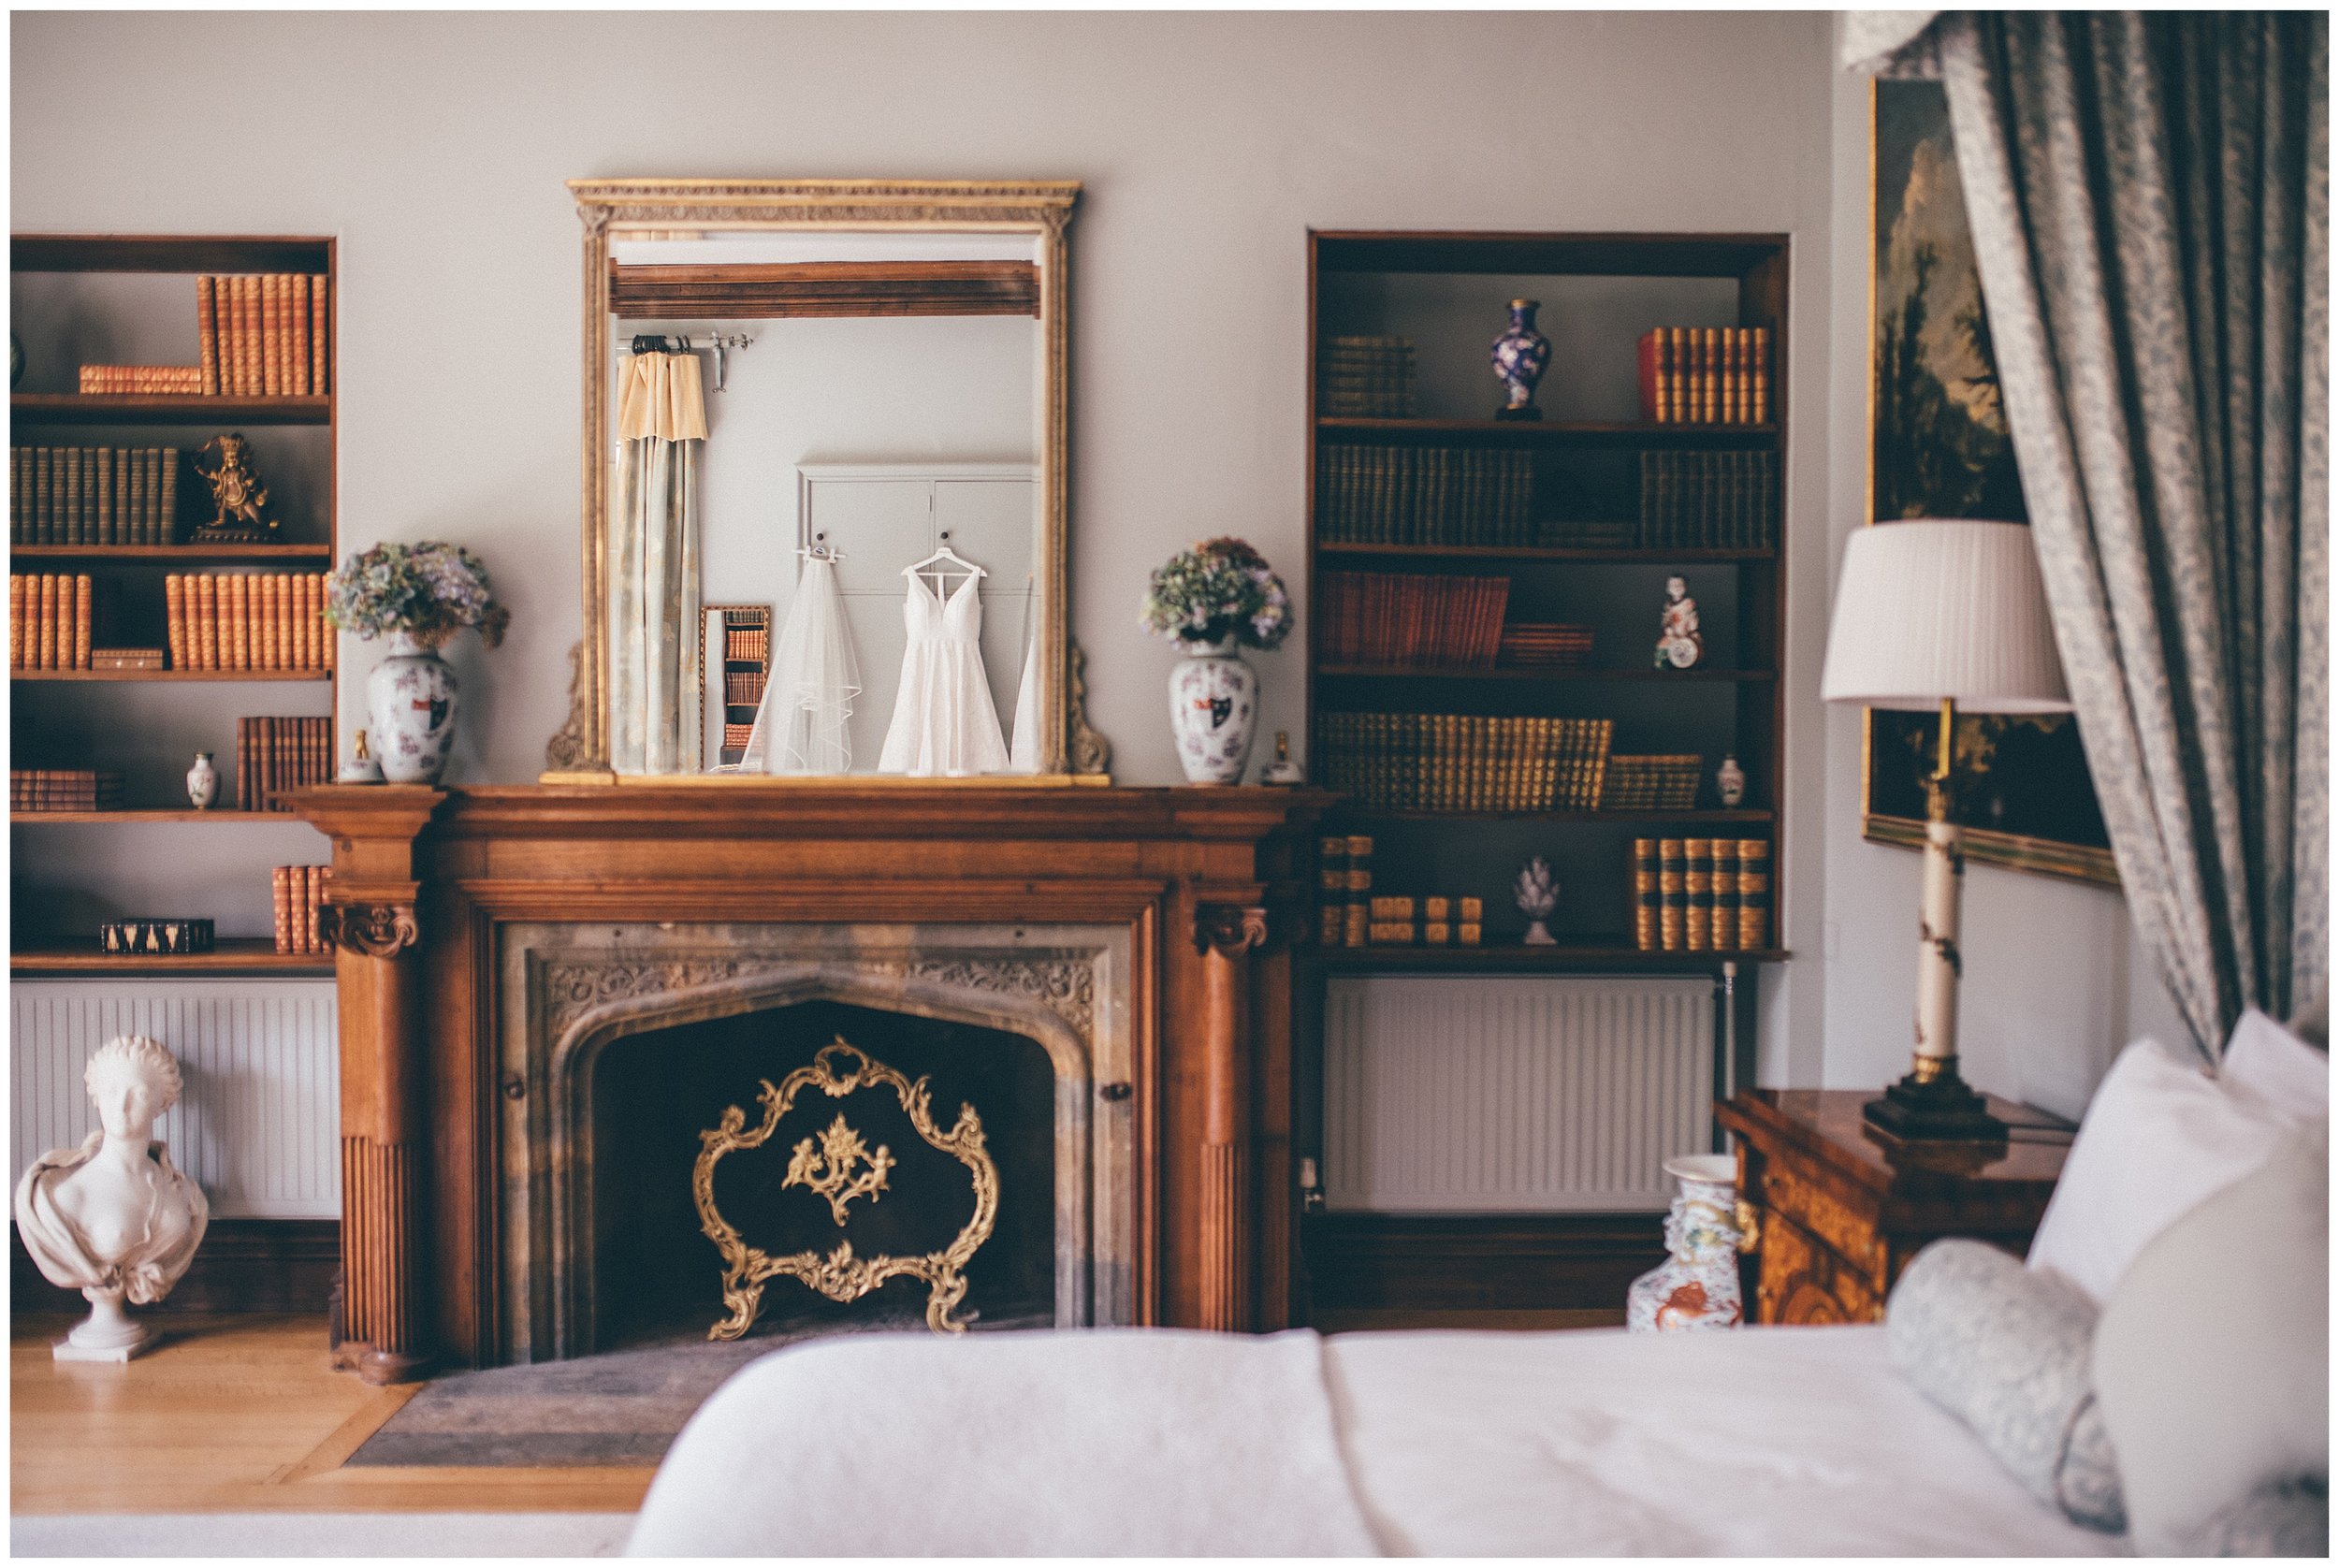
1528 432
187 553
274 677
1615 952
90 719
1711 817
1701 675
178 814
1412 556
121 408
232 955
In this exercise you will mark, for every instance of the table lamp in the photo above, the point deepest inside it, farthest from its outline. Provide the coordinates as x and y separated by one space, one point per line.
1941 614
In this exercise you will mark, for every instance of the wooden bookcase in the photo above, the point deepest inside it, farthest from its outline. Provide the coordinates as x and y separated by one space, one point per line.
57 710
1447 292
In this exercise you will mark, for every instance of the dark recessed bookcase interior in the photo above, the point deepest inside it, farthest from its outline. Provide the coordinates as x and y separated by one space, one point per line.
1576 520
132 300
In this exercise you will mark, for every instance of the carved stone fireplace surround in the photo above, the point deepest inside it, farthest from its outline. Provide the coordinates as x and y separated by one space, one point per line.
482 933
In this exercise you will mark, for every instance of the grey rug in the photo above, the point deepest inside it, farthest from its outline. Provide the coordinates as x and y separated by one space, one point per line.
620 1408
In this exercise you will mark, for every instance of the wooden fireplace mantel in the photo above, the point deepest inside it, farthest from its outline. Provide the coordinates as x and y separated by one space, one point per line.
1205 880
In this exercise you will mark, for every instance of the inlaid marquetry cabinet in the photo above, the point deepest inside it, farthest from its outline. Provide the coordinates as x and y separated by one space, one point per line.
1843 1209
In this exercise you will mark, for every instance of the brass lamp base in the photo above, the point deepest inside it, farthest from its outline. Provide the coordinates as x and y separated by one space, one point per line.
1932 1104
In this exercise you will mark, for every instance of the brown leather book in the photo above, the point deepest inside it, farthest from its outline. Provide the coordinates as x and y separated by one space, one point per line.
270 620
297 337
1725 912
47 657
206 330
175 611
15 621
1753 894
1761 376
1673 894
244 792
1646 899
83 591
316 902
287 623
280 880
320 336
255 370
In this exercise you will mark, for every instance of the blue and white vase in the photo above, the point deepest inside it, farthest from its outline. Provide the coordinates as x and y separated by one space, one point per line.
410 698
1213 711
1520 356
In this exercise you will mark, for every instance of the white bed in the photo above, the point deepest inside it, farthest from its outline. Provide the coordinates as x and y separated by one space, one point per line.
1786 1442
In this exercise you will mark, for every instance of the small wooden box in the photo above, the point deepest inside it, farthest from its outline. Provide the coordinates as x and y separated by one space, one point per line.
155 935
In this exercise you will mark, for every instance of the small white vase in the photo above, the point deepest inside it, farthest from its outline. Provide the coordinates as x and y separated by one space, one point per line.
1730 781
1697 1287
411 701
1213 713
202 782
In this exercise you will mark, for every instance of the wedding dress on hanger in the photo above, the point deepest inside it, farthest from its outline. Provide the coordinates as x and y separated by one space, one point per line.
1023 747
944 720
808 697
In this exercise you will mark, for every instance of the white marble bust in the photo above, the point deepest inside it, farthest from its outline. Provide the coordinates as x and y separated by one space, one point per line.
114 1217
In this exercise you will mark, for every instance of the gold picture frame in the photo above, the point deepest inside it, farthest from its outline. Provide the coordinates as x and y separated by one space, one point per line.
1991 490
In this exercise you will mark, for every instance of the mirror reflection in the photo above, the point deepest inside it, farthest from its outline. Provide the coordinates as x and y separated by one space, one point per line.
827 543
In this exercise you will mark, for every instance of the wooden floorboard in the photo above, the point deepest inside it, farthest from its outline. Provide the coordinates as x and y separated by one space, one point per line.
241 1414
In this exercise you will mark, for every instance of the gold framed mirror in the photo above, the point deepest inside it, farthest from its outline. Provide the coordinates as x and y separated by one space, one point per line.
847 400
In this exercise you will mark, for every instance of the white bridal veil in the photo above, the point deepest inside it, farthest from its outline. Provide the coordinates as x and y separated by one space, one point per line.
808 698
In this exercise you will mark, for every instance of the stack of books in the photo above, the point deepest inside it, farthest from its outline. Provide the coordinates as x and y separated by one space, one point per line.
1701 895
746 655
1424 495
1443 761
1654 783
264 336
1414 621
1546 645
1345 882
276 756
1705 375
48 621
1440 921
34 790
93 495
176 381
239 620
1366 378
1710 500
743 689
300 891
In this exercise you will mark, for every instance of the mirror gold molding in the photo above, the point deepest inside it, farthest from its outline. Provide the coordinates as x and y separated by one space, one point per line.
659 209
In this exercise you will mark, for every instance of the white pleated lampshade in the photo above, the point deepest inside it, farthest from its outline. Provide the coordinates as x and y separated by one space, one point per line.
1955 609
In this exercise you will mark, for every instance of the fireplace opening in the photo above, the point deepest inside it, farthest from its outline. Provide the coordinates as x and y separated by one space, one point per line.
655 1275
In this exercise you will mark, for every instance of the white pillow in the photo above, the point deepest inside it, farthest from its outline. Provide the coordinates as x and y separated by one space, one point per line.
2269 1061
2161 1135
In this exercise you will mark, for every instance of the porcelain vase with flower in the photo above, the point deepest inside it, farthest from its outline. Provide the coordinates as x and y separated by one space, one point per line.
1697 1286
410 704
1213 712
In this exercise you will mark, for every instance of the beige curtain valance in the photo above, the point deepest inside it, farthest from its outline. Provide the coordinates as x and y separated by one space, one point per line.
661 395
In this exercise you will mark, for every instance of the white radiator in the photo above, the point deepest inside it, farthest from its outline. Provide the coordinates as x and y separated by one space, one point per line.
257 1123
1513 1094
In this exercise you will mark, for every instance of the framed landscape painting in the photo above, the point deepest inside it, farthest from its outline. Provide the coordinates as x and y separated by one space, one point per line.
1938 447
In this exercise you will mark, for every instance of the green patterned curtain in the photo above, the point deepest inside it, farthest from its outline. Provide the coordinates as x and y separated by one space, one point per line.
656 713
2148 197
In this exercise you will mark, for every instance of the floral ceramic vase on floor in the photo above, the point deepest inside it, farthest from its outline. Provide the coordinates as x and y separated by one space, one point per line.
1520 356
1213 711
1697 1287
410 700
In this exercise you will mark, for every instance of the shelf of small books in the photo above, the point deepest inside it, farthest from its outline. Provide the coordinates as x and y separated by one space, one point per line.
166 407
191 551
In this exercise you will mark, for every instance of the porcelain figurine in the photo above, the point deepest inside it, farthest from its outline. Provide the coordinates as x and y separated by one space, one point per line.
1697 1286
410 697
202 782
1537 894
362 768
1729 782
1213 709
114 1218
1520 356
1680 643
1283 772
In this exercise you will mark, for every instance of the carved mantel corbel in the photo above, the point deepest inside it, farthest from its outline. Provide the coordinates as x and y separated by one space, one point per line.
372 922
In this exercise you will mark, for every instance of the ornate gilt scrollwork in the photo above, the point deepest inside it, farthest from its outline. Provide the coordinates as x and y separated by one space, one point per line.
1090 752
826 1167
376 930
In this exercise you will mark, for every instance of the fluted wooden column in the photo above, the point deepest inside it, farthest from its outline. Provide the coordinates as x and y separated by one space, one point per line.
1226 933
384 1310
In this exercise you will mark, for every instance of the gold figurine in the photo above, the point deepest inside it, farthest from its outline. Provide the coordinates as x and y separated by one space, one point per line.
236 494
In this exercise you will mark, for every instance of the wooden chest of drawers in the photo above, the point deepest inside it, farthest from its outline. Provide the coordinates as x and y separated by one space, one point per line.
1843 1208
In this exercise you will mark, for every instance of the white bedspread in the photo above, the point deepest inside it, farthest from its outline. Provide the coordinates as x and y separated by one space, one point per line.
1787 1441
